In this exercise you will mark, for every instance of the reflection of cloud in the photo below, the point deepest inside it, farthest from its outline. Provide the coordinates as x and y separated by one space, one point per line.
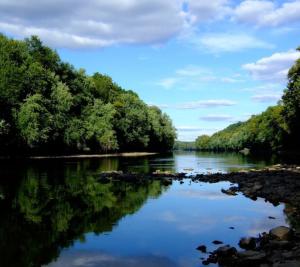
198 225
168 216
264 225
234 219
209 195
100 259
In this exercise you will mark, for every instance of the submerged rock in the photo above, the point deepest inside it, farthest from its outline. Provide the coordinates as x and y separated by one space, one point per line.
202 248
217 242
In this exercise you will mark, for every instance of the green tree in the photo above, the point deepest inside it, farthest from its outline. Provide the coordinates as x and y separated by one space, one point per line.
34 121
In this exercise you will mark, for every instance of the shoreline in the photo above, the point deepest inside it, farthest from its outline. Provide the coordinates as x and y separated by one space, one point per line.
279 184
86 156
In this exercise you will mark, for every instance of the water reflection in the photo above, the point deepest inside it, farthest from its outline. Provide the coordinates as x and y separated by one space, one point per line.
46 213
102 259
55 212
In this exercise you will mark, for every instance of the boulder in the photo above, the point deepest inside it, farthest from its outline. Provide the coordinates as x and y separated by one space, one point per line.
248 243
226 251
281 233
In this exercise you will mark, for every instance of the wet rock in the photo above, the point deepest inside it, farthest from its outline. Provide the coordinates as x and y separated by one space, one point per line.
252 254
248 243
217 242
202 248
226 251
280 244
229 192
281 233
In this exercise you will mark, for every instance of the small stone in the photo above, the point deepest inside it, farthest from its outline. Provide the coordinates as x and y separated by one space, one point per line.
202 248
217 242
228 192
281 232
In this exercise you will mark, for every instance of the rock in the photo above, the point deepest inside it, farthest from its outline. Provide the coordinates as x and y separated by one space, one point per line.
202 248
271 217
228 192
248 253
251 256
257 186
217 242
231 227
226 251
281 233
287 264
248 243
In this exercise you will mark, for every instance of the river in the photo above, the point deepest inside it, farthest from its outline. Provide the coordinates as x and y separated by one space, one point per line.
55 213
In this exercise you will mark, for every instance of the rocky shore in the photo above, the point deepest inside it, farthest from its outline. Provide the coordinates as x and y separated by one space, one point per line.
277 184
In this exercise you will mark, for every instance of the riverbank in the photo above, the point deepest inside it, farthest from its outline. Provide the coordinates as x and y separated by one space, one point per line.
88 156
276 184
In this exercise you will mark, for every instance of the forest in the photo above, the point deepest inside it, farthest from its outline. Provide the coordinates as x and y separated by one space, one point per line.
274 130
49 107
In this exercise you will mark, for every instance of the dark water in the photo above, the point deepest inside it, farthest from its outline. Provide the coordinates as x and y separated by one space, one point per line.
55 212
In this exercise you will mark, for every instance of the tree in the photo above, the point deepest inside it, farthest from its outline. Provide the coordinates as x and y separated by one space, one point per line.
131 123
34 121
98 125
291 103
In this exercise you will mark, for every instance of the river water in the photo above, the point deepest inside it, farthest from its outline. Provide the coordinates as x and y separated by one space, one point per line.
55 213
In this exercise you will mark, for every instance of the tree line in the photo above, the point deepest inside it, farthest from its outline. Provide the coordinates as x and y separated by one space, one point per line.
48 106
276 129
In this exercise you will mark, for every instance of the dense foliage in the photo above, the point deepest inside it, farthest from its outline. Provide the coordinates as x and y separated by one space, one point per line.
48 106
184 145
276 129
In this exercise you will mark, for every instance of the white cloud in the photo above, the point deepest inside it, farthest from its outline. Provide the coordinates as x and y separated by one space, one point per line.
193 129
211 103
230 42
274 67
193 76
208 10
267 13
265 98
168 83
217 117
93 23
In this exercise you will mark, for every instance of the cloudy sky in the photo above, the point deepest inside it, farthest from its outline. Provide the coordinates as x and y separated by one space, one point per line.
206 63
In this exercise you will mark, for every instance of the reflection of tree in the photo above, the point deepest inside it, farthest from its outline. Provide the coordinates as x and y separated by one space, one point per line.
45 215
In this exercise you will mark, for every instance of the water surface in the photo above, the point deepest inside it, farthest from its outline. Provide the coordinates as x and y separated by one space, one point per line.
56 213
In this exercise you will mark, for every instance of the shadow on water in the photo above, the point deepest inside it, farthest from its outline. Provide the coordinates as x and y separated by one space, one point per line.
44 209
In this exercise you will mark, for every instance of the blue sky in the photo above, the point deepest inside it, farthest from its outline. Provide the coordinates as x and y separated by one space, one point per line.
205 63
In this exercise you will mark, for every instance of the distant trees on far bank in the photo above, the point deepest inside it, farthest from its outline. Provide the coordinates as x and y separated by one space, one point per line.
276 129
47 106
